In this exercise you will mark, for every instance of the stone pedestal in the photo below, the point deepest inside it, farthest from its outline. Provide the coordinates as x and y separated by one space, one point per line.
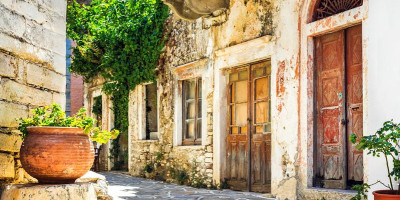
77 191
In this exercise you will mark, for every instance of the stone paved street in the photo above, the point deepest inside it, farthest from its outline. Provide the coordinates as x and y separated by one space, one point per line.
122 186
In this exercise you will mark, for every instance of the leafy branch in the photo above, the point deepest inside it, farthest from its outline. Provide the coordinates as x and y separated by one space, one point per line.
384 142
54 116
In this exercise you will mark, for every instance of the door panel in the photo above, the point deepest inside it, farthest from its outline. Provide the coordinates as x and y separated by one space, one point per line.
261 133
330 110
238 137
249 114
354 100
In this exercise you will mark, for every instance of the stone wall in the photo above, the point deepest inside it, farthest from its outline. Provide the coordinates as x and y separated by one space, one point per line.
32 70
188 43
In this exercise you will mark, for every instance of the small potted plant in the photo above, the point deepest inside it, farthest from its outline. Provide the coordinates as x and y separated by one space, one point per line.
385 142
56 148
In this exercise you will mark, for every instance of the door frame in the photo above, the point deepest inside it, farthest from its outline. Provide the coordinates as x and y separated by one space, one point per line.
307 115
231 57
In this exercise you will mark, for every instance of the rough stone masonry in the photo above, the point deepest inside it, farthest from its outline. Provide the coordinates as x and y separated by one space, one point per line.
32 70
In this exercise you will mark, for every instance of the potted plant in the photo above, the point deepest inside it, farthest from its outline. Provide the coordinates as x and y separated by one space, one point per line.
56 148
385 142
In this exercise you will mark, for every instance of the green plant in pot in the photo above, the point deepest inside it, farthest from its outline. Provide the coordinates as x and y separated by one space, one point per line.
57 148
384 143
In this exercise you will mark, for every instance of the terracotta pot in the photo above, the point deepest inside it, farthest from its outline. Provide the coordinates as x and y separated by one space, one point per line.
386 195
56 154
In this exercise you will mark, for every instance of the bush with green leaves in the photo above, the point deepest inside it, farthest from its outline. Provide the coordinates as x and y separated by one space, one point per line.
119 40
384 143
54 116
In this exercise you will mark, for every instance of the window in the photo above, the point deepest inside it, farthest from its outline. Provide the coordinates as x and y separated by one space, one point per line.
151 111
192 98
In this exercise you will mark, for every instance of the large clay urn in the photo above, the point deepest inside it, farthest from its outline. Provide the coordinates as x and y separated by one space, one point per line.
56 154
386 195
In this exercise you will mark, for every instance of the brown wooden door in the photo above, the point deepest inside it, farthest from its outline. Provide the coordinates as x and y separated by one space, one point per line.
238 137
338 107
330 110
354 100
249 138
261 128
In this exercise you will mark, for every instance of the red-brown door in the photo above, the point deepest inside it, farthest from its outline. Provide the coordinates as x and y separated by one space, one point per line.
330 110
338 107
354 100
249 123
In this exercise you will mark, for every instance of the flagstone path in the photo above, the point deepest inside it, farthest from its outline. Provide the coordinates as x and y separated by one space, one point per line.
122 186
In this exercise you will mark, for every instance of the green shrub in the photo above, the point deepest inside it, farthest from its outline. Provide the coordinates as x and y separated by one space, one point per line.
54 116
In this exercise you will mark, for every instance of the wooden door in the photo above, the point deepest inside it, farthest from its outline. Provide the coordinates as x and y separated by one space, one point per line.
354 100
261 128
339 109
249 138
330 91
238 136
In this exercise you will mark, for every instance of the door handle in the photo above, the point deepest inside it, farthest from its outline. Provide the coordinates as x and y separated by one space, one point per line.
344 121
355 108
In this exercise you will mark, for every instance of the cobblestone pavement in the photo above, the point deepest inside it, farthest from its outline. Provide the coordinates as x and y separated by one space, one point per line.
122 186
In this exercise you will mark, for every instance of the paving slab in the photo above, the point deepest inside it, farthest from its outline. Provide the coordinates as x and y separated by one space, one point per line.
122 186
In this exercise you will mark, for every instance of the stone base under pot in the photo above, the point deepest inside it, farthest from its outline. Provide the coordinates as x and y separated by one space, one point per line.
77 191
91 186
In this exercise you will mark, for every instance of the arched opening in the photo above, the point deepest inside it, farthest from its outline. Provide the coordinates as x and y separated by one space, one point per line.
333 60
326 8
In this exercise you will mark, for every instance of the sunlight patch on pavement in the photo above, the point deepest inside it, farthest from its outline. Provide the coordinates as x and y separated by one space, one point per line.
119 192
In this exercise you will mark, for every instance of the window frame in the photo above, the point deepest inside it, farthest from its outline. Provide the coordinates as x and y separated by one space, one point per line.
197 140
142 113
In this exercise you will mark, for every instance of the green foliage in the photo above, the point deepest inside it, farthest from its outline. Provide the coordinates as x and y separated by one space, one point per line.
362 191
55 116
385 142
97 106
119 40
180 176
197 179
225 184
149 168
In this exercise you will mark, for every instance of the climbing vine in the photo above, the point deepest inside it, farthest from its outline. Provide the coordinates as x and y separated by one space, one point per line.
119 40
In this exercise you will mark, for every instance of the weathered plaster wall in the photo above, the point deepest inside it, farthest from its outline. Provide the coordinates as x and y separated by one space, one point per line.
32 70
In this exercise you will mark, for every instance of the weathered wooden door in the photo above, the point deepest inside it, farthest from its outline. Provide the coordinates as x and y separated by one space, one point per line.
338 107
249 138
354 100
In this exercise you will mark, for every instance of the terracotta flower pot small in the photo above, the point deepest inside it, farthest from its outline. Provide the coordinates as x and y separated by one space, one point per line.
386 195
56 154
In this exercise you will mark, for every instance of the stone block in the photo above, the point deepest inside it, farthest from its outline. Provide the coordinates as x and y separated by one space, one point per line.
59 98
9 112
17 92
6 166
77 191
209 155
10 142
8 66
42 77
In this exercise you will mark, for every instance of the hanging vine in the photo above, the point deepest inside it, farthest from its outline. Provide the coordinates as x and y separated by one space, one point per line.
120 40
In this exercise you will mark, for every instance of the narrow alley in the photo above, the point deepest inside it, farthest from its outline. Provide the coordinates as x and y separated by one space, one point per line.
122 186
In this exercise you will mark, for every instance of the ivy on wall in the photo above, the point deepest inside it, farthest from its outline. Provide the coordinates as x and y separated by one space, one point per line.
120 40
